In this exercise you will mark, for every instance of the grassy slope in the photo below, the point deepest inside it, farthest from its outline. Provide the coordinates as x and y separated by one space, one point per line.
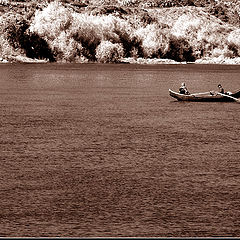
206 29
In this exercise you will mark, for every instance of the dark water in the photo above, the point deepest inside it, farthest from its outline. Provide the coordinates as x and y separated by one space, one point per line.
103 151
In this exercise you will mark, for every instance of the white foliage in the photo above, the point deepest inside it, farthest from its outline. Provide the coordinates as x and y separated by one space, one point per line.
51 21
109 52
153 39
234 37
66 47
186 25
4 2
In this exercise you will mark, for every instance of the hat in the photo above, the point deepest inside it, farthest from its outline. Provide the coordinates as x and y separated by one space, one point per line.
183 84
219 85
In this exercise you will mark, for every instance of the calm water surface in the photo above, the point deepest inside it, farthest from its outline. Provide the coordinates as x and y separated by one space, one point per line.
103 151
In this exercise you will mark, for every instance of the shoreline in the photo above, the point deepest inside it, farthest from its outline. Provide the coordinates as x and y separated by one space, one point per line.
141 61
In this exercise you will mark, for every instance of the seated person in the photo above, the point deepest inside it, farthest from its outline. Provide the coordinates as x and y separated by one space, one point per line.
221 90
183 89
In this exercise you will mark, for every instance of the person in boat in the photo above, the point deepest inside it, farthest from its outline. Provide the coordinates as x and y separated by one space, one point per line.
183 89
221 90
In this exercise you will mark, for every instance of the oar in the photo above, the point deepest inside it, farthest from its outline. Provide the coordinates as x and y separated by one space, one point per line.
225 95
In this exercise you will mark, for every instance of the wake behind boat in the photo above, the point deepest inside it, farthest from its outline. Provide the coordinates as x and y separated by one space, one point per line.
210 96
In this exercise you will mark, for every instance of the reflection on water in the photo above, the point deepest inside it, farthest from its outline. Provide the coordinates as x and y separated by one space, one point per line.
103 151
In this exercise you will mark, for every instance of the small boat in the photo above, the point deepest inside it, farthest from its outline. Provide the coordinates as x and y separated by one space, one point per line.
210 96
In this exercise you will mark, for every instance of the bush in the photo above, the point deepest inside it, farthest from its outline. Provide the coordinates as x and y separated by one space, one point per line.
130 43
187 26
15 29
234 42
154 41
6 50
234 37
51 21
80 28
67 49
102 2
36 47
202 33
108 52
91 30
31 44
227 11
180 50
224 52
129 3
88 32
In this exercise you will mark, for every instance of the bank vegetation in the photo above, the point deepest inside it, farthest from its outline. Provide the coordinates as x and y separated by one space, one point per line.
111 31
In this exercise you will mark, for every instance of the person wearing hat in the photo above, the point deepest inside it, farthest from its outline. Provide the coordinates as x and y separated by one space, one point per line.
183 89
221 90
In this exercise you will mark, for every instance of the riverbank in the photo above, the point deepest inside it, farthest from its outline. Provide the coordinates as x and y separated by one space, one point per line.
23 59
140 34
155 61
219 60
216 60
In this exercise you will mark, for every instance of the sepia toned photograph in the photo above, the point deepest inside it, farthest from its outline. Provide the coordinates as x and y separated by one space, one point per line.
120 119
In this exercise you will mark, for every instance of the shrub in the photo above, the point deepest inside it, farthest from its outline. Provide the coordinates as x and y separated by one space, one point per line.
51 21
180 50
109 52
129 3
227 11
224 52
36 47
234 42
56 23
154 40
6 50
87 30
130 43
4 2
102 2
14 28
202 33
18 36
91 30
234 37
146 18
106 10
187 26
67 49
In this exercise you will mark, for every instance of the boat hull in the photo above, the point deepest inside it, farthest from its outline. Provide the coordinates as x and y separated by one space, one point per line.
236 94
199 98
